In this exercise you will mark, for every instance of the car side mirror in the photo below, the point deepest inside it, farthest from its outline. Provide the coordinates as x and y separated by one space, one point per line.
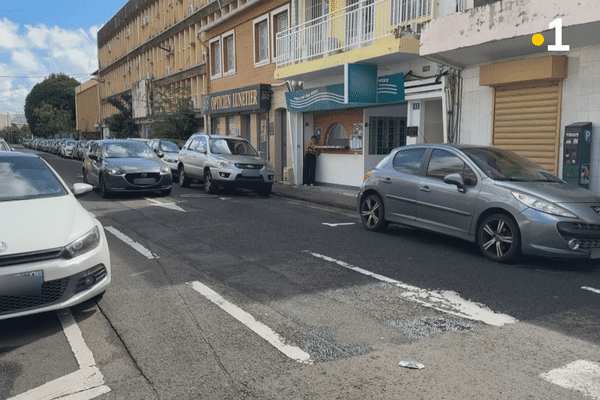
81 189
159 153
93 157
456 179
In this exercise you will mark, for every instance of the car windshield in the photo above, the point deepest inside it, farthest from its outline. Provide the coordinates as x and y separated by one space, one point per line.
4 146
505 165
70 142
127 150
231 146
27 178
168 146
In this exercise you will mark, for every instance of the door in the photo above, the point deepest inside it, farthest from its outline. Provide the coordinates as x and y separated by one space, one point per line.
442 205
399 185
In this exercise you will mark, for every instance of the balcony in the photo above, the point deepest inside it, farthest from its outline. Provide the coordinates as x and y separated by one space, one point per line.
359 25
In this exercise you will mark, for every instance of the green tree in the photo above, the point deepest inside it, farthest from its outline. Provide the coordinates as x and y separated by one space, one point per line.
58 90
51 120
13 134
121 124
173 113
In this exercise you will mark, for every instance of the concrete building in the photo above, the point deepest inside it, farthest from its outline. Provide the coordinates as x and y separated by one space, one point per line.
5 120
245 99
18 119
365 88
87 110
516 94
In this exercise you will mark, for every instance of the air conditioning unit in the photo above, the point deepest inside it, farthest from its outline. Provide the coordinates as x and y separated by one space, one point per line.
203 57
109 48
128 33
195 104
191 9
171 47
168 70
148 76
128 68
145 21
137 64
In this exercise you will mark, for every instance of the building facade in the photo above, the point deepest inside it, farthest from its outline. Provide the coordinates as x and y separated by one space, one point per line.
87 110
365 88
5 120
518 94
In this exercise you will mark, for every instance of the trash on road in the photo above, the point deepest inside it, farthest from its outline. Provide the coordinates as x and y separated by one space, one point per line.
411 364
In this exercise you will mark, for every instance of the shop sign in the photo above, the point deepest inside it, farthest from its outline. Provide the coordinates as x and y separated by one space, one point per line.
390 89
248 98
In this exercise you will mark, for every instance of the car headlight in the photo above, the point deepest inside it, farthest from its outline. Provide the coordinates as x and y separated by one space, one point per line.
115 170
169 159
542 205
165 169
86 243
222 164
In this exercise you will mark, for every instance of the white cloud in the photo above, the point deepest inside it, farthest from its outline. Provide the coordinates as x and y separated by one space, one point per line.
34 52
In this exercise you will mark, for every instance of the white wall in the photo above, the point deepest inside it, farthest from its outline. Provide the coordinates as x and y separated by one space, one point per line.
581 101
340 169
476 109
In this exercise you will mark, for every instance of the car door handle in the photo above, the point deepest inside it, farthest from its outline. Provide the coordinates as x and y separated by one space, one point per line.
387 180
425 189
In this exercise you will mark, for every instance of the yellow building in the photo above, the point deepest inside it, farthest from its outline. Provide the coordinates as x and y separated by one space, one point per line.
87 110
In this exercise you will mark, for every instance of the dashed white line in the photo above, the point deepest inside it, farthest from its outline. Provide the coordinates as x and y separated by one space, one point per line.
257 327
441 300
136 246
84 384
581 375
140 273
340 224
591 289
170 206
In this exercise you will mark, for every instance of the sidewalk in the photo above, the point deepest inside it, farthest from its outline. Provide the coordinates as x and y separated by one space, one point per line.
329 196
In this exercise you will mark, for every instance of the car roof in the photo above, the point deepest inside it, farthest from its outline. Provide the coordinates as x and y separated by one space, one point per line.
19 154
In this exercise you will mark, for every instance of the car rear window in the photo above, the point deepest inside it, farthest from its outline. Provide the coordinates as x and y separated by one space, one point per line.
408 161
26 178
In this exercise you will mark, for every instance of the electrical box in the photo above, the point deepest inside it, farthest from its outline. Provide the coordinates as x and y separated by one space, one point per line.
576 154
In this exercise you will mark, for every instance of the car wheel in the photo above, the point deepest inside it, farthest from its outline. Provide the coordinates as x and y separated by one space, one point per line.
184 181
165 192
103 190
209 185
372 213
499 238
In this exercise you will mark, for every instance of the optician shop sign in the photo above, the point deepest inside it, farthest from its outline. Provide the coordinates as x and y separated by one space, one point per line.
248 98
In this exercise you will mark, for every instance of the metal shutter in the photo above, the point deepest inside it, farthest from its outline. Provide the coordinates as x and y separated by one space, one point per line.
526 120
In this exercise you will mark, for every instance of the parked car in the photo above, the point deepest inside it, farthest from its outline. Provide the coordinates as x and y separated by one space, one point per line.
66 148
48 260
224 161
78 149
496 198
126 166
4 146
86 149
169 149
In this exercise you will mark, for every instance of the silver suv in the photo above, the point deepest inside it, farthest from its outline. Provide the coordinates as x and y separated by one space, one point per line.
224 161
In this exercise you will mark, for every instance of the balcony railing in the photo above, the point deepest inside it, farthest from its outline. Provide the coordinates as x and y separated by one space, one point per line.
352 27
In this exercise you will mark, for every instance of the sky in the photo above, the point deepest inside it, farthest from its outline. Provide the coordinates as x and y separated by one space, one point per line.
38 38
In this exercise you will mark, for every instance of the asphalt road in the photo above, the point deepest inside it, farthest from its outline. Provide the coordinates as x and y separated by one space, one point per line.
240 296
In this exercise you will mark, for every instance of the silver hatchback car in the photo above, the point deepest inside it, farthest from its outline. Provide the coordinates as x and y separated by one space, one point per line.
496 198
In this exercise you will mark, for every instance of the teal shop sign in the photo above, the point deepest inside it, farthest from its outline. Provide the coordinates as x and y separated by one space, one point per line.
389 89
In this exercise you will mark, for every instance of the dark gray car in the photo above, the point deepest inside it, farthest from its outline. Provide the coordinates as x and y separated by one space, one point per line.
502 201
126 166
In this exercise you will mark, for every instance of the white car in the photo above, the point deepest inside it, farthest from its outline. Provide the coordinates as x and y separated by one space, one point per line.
53 252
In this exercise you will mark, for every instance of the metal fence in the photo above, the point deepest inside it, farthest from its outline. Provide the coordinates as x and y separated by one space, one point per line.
356 25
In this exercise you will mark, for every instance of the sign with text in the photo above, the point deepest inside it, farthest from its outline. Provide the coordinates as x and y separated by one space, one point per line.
248 98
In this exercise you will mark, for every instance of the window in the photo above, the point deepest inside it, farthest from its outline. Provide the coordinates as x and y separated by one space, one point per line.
280 22
216 125
409 161
215 57
231 125
336 136
386 133
442 163
261 42
228 53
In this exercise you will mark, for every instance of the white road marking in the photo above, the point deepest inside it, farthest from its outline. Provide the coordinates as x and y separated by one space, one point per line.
591 289
340 224
170 206
140 273
138 247
257 327
581 375
442 300
84 384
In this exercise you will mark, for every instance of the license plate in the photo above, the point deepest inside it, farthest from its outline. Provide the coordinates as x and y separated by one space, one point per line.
25 284
595 253
251 172
144 181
